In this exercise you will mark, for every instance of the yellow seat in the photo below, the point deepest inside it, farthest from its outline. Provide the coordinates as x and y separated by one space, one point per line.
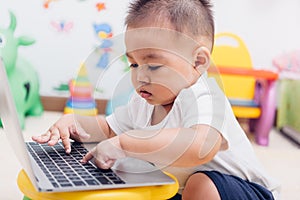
142 193
251 92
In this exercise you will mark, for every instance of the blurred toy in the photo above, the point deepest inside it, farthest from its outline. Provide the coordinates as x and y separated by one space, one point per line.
251 92
81 101
288 121
288 64
22 76
104 33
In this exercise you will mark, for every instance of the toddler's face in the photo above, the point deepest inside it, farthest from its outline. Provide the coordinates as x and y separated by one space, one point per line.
161 65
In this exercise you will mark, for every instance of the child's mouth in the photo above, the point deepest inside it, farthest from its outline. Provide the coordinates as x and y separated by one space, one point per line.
145 94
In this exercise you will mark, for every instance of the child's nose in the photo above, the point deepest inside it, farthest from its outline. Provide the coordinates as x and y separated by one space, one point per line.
143 75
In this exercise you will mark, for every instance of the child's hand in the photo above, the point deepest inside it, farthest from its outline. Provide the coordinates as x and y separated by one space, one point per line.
105 153
65 128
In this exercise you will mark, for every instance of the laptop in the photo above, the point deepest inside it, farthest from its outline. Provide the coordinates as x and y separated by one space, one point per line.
50 169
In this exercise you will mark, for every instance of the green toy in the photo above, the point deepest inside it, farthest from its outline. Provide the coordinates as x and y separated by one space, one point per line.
21 74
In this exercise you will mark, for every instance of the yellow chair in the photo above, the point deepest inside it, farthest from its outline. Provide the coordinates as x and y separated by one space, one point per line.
138 193
251 92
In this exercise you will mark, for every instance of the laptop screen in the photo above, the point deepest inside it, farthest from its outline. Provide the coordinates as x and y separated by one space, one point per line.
10 123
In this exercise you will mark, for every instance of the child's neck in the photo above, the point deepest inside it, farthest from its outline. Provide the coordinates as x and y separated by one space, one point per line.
160 112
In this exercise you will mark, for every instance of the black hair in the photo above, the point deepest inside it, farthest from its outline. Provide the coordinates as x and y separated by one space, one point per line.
192 17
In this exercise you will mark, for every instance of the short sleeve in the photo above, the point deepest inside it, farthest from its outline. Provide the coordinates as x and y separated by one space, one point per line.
135 115
204 103
120 121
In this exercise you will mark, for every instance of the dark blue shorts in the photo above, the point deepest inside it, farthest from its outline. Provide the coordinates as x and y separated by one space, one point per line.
234 188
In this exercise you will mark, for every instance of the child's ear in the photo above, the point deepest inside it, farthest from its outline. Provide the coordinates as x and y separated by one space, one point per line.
201 58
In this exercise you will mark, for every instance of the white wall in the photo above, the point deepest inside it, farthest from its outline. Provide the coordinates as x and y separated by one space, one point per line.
268 27
57 54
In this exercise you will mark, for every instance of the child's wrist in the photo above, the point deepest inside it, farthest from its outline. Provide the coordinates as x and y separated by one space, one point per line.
117 144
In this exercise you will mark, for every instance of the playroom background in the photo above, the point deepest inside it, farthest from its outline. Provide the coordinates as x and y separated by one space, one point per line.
67 32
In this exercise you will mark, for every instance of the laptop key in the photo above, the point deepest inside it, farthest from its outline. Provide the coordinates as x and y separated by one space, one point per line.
103 180
78 183
91 182
54 184
66 184
118 182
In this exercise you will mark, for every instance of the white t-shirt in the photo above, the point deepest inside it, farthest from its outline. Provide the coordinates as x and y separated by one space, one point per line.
202 103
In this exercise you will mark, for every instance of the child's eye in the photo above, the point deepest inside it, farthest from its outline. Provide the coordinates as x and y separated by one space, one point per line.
134 65
152 68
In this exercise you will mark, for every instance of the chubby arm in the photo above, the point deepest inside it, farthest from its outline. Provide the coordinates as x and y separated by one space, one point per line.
96 127
184 147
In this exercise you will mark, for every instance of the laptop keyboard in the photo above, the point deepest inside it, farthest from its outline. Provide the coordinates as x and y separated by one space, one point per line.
66 170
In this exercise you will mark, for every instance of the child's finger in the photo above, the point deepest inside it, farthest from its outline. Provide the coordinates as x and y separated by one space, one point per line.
88 156
101 164
110 163
42 138
67 145
54 136
65 138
